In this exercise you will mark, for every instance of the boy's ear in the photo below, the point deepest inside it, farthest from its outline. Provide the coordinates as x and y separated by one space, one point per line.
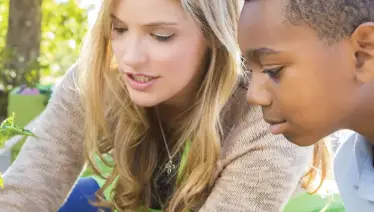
363 43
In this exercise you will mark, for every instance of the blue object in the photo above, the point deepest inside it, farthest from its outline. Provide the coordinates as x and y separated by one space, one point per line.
81 196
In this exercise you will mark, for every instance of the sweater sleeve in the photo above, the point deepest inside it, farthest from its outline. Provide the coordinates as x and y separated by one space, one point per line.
48 166
260 171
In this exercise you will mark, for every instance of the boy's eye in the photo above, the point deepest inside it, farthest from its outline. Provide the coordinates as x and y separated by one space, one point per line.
273 72
162 37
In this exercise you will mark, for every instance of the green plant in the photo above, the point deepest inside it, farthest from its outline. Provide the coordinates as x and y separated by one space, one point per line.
7 130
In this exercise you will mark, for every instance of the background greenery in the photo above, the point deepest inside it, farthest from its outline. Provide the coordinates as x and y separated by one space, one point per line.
64 26
63 29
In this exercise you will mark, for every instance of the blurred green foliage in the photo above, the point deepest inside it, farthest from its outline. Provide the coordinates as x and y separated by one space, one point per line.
3 28
63 29
64 26
3 21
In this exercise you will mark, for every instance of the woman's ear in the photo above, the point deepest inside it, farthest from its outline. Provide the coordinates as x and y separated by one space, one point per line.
363 42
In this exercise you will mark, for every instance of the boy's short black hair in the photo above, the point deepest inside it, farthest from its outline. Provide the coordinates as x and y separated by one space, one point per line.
332 20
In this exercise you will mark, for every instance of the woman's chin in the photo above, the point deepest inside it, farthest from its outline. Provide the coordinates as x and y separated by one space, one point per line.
145 100
145 103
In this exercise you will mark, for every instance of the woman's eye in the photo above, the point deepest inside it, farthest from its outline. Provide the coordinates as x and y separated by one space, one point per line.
162 37
119 30
273 72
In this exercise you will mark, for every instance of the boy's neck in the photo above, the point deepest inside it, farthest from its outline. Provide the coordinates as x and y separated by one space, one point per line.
362 121
365 127
370 139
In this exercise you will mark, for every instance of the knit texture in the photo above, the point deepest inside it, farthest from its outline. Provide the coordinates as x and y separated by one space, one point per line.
257 172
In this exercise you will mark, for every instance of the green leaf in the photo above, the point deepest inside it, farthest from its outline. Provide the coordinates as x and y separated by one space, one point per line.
14 130
8 122
8 129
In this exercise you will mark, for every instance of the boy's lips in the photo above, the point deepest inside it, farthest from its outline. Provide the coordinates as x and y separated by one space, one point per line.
276 126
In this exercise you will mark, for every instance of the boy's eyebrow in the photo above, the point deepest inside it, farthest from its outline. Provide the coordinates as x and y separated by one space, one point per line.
150 24
262 52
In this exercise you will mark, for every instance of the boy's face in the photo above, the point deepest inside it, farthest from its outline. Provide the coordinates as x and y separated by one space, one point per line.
306 88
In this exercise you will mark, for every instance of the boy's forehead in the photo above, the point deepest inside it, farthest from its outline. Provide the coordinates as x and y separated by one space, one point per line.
270 12
261 28
262 22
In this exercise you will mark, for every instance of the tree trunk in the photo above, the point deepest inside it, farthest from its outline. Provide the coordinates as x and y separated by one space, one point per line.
23 40
3 105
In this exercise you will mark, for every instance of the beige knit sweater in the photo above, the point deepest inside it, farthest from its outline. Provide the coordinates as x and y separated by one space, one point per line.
258 172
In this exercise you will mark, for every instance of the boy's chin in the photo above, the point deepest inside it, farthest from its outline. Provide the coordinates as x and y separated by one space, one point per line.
303 140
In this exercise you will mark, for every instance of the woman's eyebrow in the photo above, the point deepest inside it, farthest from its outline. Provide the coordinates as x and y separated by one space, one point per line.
149 24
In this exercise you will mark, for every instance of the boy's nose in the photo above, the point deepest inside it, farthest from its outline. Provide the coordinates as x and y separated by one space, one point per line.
258 93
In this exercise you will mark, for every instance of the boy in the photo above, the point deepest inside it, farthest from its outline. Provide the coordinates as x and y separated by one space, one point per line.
312 65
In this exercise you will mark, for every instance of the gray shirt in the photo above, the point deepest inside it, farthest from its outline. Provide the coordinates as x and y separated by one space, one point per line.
354 173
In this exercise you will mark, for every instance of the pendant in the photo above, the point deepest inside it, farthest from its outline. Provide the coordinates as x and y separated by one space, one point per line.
170 167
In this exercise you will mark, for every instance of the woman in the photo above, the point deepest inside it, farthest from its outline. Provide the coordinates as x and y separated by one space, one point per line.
156 90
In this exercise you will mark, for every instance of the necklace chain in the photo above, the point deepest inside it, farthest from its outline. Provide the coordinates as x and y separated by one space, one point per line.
170 166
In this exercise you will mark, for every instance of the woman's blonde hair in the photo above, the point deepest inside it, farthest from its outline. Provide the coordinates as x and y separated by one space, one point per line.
320 167
115 126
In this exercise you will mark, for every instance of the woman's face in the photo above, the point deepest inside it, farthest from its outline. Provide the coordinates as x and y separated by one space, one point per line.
159 50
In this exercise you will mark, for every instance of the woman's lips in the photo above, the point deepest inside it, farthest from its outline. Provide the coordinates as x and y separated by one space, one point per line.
140 82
